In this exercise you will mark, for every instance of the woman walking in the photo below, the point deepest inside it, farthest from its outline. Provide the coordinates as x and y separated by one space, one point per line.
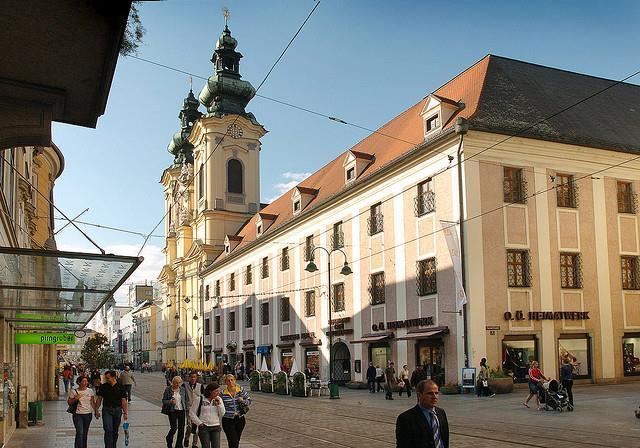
173 406
206 413
535 383
482 387
404 381
566 376
84 399
236 403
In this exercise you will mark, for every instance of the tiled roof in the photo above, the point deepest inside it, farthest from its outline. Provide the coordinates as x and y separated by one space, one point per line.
499 95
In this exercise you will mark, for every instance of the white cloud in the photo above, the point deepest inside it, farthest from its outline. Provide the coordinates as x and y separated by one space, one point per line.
292 179
148 269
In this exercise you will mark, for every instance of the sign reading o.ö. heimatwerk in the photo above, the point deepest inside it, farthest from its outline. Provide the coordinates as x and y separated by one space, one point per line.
419 322
546 315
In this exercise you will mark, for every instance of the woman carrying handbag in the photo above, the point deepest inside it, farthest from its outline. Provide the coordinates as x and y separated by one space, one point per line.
82 403
173 406
236 402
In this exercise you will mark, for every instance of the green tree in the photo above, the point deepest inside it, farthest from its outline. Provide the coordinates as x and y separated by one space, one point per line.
97 352
133 33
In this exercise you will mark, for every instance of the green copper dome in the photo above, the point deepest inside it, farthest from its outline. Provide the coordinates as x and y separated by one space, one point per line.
179 146
225 93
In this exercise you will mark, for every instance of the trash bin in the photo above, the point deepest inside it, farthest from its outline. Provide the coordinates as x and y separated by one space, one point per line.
334 390
39 410
32 413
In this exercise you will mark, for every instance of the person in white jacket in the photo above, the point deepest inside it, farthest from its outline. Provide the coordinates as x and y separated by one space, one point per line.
206 412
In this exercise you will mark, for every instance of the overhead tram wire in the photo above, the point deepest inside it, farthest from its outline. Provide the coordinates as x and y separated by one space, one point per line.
71 221
273 66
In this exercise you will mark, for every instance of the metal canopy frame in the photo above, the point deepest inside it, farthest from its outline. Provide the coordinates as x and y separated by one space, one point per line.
66 288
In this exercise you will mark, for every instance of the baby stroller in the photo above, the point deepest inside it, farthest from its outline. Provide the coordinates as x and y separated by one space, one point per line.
554 397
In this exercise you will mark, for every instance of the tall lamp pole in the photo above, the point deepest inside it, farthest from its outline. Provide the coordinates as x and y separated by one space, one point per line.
346 270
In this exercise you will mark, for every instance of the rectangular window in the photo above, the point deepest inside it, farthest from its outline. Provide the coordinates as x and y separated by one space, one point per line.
218 288
207 326
351 173
264 313
518 268
626 198
376 288
338 297
516 356
308 248
432 123
232 281
206 293
284 309
570 272
631 354
264 269
566 190
259 230
216 324
337 237
310 303
513 185
296 206
232 321
284 259
427 277
248 317
629 267
425 201
248 275
577 350
375 221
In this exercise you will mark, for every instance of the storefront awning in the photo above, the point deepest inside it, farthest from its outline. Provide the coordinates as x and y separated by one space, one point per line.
422 335
264 349
58 291
370 339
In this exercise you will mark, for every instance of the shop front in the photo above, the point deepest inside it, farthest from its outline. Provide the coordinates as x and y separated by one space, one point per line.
631 354
311 356
264 351
379 348
576 348
248 348
429 352
517 353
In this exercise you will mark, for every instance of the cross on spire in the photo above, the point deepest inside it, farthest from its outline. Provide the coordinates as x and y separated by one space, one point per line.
226 14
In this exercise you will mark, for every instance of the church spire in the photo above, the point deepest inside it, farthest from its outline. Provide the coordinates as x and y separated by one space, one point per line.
179 146
225 93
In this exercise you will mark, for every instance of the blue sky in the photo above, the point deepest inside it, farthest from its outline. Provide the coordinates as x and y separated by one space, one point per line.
362 61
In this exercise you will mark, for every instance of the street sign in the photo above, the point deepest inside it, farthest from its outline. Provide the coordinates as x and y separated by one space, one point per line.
45 338
46 319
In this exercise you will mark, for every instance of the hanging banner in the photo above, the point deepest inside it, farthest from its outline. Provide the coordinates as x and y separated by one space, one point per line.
453 243
45 338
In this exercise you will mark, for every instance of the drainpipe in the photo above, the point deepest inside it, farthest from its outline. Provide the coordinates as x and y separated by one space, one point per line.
461 128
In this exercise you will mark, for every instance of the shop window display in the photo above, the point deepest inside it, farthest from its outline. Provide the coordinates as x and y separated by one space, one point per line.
430 357
286 361
313 361
577 350
380 356
516 357
631 355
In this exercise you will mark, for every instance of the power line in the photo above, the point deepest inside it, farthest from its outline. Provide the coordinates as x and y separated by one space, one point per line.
236 118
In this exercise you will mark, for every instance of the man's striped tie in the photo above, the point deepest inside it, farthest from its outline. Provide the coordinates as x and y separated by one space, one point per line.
435 426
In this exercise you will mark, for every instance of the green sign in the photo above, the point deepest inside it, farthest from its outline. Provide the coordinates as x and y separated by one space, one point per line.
46 318
45 338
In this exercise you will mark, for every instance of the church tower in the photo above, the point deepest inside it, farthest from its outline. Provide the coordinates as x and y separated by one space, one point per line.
227 148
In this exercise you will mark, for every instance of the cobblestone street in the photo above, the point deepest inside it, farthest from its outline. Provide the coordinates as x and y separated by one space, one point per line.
603 418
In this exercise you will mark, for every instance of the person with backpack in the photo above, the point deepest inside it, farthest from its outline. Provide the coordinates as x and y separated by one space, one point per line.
193 390
206 413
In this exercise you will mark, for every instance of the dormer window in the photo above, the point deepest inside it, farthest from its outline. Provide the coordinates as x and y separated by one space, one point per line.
432 123
301 197
351 174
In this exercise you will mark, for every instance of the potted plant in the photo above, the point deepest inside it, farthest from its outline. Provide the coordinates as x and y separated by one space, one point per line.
298 387
450 389
280 383
266 381
254 381
500 382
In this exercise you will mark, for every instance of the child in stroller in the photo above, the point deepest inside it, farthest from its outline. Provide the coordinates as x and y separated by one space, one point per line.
554 397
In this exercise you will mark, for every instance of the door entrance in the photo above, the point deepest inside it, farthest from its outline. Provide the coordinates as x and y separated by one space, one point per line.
430 355
341 367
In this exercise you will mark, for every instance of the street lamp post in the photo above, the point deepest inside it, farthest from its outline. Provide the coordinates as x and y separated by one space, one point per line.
346 270
177 317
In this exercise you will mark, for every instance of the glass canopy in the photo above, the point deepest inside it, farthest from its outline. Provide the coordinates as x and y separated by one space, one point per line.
54 290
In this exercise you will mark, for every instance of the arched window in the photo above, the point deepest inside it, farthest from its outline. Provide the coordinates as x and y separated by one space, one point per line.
234 176
201 181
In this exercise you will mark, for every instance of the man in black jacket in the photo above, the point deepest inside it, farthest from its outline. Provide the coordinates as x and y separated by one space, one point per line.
371 378
425 425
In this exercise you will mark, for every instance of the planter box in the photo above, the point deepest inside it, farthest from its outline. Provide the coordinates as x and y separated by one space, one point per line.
450 390
501 385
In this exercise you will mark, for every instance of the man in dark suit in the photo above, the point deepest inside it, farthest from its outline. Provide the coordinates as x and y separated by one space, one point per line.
425 425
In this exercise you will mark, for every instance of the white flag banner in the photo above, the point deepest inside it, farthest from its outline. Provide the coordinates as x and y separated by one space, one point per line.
276 367
453 243
294 367
263 367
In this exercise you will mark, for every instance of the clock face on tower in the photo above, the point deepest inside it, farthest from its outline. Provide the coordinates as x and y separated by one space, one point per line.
234 131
